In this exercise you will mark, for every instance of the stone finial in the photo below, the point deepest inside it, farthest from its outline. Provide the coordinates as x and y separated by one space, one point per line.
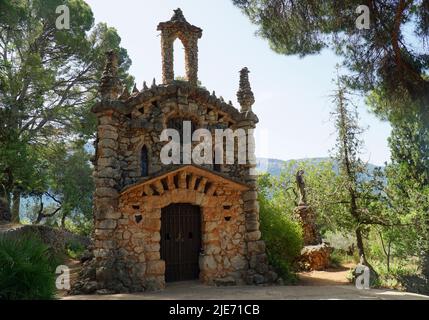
179 23
110 85
135 90
178 16
125 94
145 86
153 83
245 94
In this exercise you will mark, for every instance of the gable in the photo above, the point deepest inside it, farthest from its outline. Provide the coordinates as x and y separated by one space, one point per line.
186 177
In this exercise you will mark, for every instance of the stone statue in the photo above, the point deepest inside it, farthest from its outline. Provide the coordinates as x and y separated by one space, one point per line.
301 187
306 213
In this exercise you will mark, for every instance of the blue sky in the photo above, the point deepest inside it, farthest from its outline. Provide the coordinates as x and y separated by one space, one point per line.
292 94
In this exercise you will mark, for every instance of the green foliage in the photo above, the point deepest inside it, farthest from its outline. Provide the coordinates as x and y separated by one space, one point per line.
80 224
392 277
75 249
27 269
408 188
340 257
384 57
67 188
282 235
324 189
49 81
70 177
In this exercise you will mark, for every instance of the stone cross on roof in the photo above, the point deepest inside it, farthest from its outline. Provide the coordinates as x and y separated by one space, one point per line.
178 16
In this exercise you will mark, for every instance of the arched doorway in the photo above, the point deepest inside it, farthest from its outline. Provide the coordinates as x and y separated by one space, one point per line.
181 241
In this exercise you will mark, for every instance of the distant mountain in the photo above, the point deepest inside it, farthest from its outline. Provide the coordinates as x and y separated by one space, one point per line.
274 166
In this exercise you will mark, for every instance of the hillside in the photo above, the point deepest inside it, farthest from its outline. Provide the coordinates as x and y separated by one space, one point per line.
274 166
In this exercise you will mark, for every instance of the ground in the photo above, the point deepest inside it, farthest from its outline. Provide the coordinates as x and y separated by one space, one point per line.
315 285
196 291
328 277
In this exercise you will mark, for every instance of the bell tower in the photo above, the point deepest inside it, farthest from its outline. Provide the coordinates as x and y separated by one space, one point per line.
178 27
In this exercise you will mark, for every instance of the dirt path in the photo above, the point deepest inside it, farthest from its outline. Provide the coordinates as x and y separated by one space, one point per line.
316 285
196 291
75 267
328 277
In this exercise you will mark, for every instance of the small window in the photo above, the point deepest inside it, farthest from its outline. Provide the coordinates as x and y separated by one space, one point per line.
144 162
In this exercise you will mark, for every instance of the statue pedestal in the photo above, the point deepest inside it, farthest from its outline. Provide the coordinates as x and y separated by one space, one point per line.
315 254
314 257
308 221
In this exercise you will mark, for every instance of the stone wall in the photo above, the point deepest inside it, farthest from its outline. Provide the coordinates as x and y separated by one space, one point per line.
149 114
127 250
223 243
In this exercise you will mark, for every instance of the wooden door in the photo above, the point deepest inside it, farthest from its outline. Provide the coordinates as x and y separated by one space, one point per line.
181 241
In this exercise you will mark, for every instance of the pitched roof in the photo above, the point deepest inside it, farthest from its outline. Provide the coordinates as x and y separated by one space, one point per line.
211 177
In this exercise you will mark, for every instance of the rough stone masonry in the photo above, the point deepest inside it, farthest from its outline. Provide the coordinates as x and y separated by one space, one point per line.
133 186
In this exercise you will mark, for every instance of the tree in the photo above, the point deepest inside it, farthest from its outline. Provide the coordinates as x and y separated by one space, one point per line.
388 63
383 57
408 184
280 231
69 186
361 194
49 80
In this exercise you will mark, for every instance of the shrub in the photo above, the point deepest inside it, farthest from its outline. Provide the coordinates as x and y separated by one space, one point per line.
75 249
27 269
282 236
339 257
394 278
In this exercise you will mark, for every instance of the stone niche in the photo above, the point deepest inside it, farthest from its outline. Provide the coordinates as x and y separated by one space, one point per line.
133 187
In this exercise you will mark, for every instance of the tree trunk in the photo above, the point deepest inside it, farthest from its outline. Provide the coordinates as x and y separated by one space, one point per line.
388 255
15 206
63 220
4 206
364 261
40 215
424 262
360 246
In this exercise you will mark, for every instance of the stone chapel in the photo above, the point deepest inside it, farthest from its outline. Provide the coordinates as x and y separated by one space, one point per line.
157 223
